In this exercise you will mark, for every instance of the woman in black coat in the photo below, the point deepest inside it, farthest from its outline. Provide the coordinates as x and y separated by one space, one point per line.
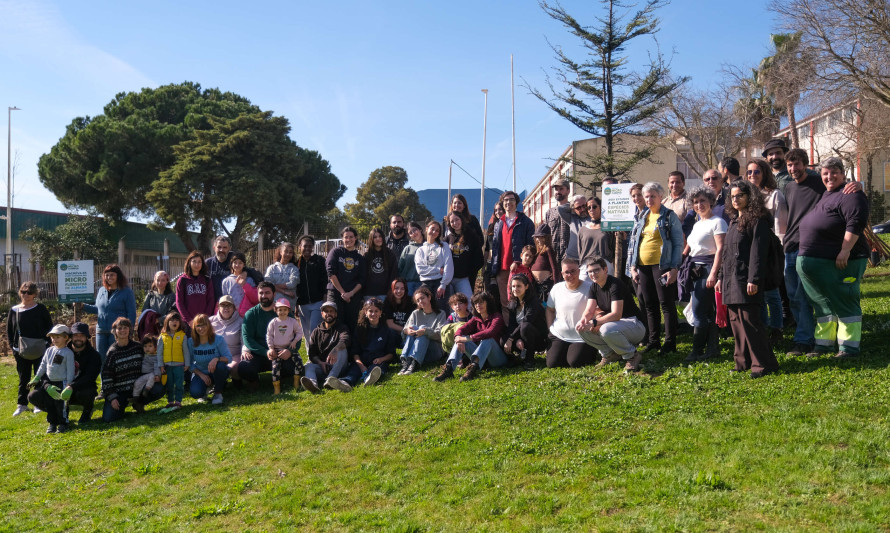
527 329
742 276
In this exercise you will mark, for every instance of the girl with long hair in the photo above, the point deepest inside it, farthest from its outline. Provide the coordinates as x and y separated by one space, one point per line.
210 358
381 266
283 273
422 332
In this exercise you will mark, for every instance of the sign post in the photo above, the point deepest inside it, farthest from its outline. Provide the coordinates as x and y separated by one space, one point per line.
76 281
618 209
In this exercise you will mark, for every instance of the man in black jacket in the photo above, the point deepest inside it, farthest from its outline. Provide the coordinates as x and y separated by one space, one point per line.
87 366
328 355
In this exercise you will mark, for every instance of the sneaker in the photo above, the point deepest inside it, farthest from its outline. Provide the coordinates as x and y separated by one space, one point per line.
406 362
652 347
446 373
633 364
139 407
309 385
337 384
37 410
800 349
62 428
21 409
51 429
845 355
413 367
472 370
202 399
217 399
373 376
608 359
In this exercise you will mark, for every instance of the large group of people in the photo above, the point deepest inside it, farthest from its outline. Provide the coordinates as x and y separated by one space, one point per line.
566 289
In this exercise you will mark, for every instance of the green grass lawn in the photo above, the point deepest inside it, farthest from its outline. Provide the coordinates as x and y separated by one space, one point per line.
674 448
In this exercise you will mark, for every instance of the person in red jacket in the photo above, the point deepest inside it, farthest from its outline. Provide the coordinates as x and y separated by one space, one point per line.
479 339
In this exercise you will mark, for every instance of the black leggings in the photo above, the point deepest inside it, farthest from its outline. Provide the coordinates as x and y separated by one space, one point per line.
572 354
347 312
652 295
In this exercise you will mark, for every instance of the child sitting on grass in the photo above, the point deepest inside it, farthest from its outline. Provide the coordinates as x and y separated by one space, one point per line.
283 335
55 373
460 313
151 372
173 359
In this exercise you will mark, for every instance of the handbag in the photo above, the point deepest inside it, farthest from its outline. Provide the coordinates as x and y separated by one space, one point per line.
28 347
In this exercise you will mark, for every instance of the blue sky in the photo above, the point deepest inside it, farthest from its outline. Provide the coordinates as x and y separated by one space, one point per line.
367 84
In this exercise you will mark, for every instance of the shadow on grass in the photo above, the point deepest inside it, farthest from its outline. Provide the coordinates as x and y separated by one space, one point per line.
152 417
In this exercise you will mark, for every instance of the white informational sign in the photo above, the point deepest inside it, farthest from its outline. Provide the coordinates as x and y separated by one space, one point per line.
76 281
618 208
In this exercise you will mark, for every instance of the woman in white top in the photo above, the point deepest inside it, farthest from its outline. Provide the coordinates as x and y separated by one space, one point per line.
434 264
704 246
760 174
284 274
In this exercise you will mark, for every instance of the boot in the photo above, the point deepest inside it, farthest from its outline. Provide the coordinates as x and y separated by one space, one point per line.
276 385
296 382
713 342
699 342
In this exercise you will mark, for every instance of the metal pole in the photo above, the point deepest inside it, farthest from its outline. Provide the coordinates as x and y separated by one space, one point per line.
9 111
484 129
513 120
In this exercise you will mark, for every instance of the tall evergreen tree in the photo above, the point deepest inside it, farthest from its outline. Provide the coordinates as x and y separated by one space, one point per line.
600 94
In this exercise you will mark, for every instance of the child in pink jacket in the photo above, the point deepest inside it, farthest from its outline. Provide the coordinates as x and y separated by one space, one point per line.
283 335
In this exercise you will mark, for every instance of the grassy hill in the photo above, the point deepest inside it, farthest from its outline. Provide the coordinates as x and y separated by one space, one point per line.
675 447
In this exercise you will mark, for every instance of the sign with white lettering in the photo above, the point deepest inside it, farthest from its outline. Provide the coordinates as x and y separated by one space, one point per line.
76 281
618 208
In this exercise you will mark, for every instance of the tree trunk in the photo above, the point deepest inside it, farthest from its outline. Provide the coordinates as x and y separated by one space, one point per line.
792 124
181 230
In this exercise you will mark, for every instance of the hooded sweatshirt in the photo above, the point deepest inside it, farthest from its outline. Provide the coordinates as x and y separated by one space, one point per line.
229 330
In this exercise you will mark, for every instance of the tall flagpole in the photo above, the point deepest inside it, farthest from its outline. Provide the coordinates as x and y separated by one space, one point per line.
484 129
513 120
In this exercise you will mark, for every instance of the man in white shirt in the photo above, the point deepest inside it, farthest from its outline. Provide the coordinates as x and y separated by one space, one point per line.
565 307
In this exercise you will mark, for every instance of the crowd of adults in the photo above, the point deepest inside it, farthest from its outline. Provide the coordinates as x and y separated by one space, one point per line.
734 249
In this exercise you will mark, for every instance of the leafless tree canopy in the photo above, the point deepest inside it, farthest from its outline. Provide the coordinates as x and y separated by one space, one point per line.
850 40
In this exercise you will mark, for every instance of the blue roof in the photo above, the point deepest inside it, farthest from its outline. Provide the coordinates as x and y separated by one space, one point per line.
437 200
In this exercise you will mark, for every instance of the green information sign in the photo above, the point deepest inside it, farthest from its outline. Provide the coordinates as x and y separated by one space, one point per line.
76 281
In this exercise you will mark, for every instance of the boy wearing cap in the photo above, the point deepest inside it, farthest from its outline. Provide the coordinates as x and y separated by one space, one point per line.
283 336
53 378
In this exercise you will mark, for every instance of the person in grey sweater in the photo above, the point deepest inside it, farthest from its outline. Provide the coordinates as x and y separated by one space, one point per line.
52 382
422 332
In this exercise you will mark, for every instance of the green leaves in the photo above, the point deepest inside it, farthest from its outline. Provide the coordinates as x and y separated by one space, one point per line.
188 157
384 194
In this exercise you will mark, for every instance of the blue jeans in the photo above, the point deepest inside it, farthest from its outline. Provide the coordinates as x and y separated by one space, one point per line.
772 309
800 306
704 312
487 350
412 286
197 387
103 342
319 372
461 285
416 348
175 382
310 317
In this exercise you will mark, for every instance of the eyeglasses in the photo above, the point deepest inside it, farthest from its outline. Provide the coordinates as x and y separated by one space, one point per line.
580 208
713 178
738 196
509 199
593 207
573 271
755 172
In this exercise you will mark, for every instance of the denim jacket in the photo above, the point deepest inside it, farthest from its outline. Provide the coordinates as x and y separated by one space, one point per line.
672 240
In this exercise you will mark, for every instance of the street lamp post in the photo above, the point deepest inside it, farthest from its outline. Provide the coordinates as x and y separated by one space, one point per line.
484 126
9 111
